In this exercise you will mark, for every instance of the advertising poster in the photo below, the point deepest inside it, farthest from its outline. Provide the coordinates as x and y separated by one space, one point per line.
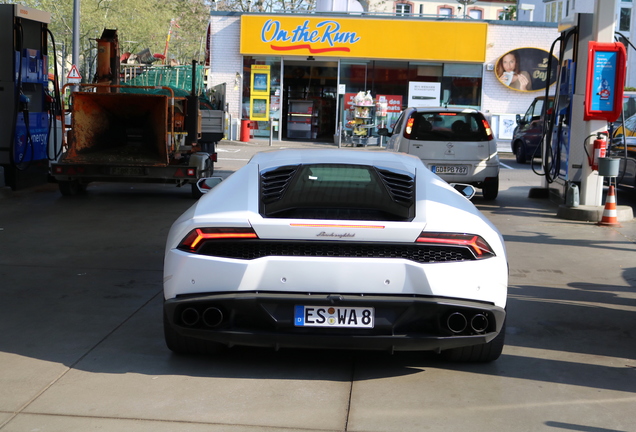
604 77
507 124
259 97
393 110
423 94
526 69
259 109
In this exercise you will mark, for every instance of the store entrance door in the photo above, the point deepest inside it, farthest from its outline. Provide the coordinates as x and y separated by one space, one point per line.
309 99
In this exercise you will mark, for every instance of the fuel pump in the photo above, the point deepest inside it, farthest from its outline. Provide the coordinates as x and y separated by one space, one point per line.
24 106
588 95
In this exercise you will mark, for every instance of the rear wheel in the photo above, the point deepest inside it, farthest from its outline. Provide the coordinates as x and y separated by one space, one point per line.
478 353
490 189
186 345
520 153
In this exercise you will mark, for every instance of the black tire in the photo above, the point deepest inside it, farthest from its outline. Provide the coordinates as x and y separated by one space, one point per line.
490 189
71 187
478 353
186 345
520 153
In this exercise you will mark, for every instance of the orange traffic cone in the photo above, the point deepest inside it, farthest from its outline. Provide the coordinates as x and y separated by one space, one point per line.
610 215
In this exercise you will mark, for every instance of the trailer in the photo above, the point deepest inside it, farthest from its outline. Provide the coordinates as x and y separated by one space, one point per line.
137 133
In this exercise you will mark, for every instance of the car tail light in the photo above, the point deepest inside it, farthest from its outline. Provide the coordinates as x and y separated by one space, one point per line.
198 236
488 130
478 246
409 127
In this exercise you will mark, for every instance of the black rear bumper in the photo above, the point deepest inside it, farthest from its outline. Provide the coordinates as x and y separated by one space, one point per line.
402 323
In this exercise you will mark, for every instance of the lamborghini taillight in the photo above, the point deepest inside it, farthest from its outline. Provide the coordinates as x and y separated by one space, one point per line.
477 245
198 236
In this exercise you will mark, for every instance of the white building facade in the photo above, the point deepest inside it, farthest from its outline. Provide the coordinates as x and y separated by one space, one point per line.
456 58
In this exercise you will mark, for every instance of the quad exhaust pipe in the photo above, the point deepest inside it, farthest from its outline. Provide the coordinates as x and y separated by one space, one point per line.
211 317
457 322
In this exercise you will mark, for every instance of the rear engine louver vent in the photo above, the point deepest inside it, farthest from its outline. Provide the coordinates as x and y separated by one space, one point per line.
275 182
400 186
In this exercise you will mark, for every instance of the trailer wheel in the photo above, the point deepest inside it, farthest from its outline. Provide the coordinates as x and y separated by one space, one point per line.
209 168
71 187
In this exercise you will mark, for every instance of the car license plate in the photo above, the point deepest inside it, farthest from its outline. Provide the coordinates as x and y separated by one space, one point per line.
332 316
128 171
450 169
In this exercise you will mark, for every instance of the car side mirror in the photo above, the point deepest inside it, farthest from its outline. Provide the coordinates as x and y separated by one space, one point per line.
468 191
384 132
518 118
207 183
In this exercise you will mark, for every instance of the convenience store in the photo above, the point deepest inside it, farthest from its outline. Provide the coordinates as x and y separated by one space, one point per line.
298 75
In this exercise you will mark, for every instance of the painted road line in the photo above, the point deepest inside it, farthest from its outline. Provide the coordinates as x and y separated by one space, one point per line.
505 166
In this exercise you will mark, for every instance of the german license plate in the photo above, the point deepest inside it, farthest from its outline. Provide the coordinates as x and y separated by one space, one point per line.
332 316
127 171
450 169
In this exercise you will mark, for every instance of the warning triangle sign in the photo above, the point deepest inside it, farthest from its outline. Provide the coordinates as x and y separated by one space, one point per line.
74 74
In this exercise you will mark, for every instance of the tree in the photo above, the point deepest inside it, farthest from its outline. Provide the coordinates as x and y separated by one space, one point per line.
510 12
140 24
144 24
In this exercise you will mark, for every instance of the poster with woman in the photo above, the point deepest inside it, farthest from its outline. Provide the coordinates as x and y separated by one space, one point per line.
526 69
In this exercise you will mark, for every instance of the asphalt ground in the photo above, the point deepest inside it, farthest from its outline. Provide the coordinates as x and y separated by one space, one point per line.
81 343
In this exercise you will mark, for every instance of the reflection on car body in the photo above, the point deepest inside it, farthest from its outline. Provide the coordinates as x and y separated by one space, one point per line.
336 249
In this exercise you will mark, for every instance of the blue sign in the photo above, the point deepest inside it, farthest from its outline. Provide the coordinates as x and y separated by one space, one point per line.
604 81
31 141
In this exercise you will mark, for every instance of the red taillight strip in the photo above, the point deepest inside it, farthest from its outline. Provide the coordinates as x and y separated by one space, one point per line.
409 127
336 226
488 130
198 235
478 245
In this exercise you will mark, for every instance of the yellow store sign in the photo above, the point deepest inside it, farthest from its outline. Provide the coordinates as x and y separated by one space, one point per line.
363 38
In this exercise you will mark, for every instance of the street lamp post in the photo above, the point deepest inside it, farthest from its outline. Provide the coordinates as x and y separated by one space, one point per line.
466 3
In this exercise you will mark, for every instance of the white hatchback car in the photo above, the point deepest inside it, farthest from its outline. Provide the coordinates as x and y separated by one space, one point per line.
455 143
336 249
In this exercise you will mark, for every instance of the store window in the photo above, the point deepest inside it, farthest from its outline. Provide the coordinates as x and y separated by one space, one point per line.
402 9
262 128
353 75
461 85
